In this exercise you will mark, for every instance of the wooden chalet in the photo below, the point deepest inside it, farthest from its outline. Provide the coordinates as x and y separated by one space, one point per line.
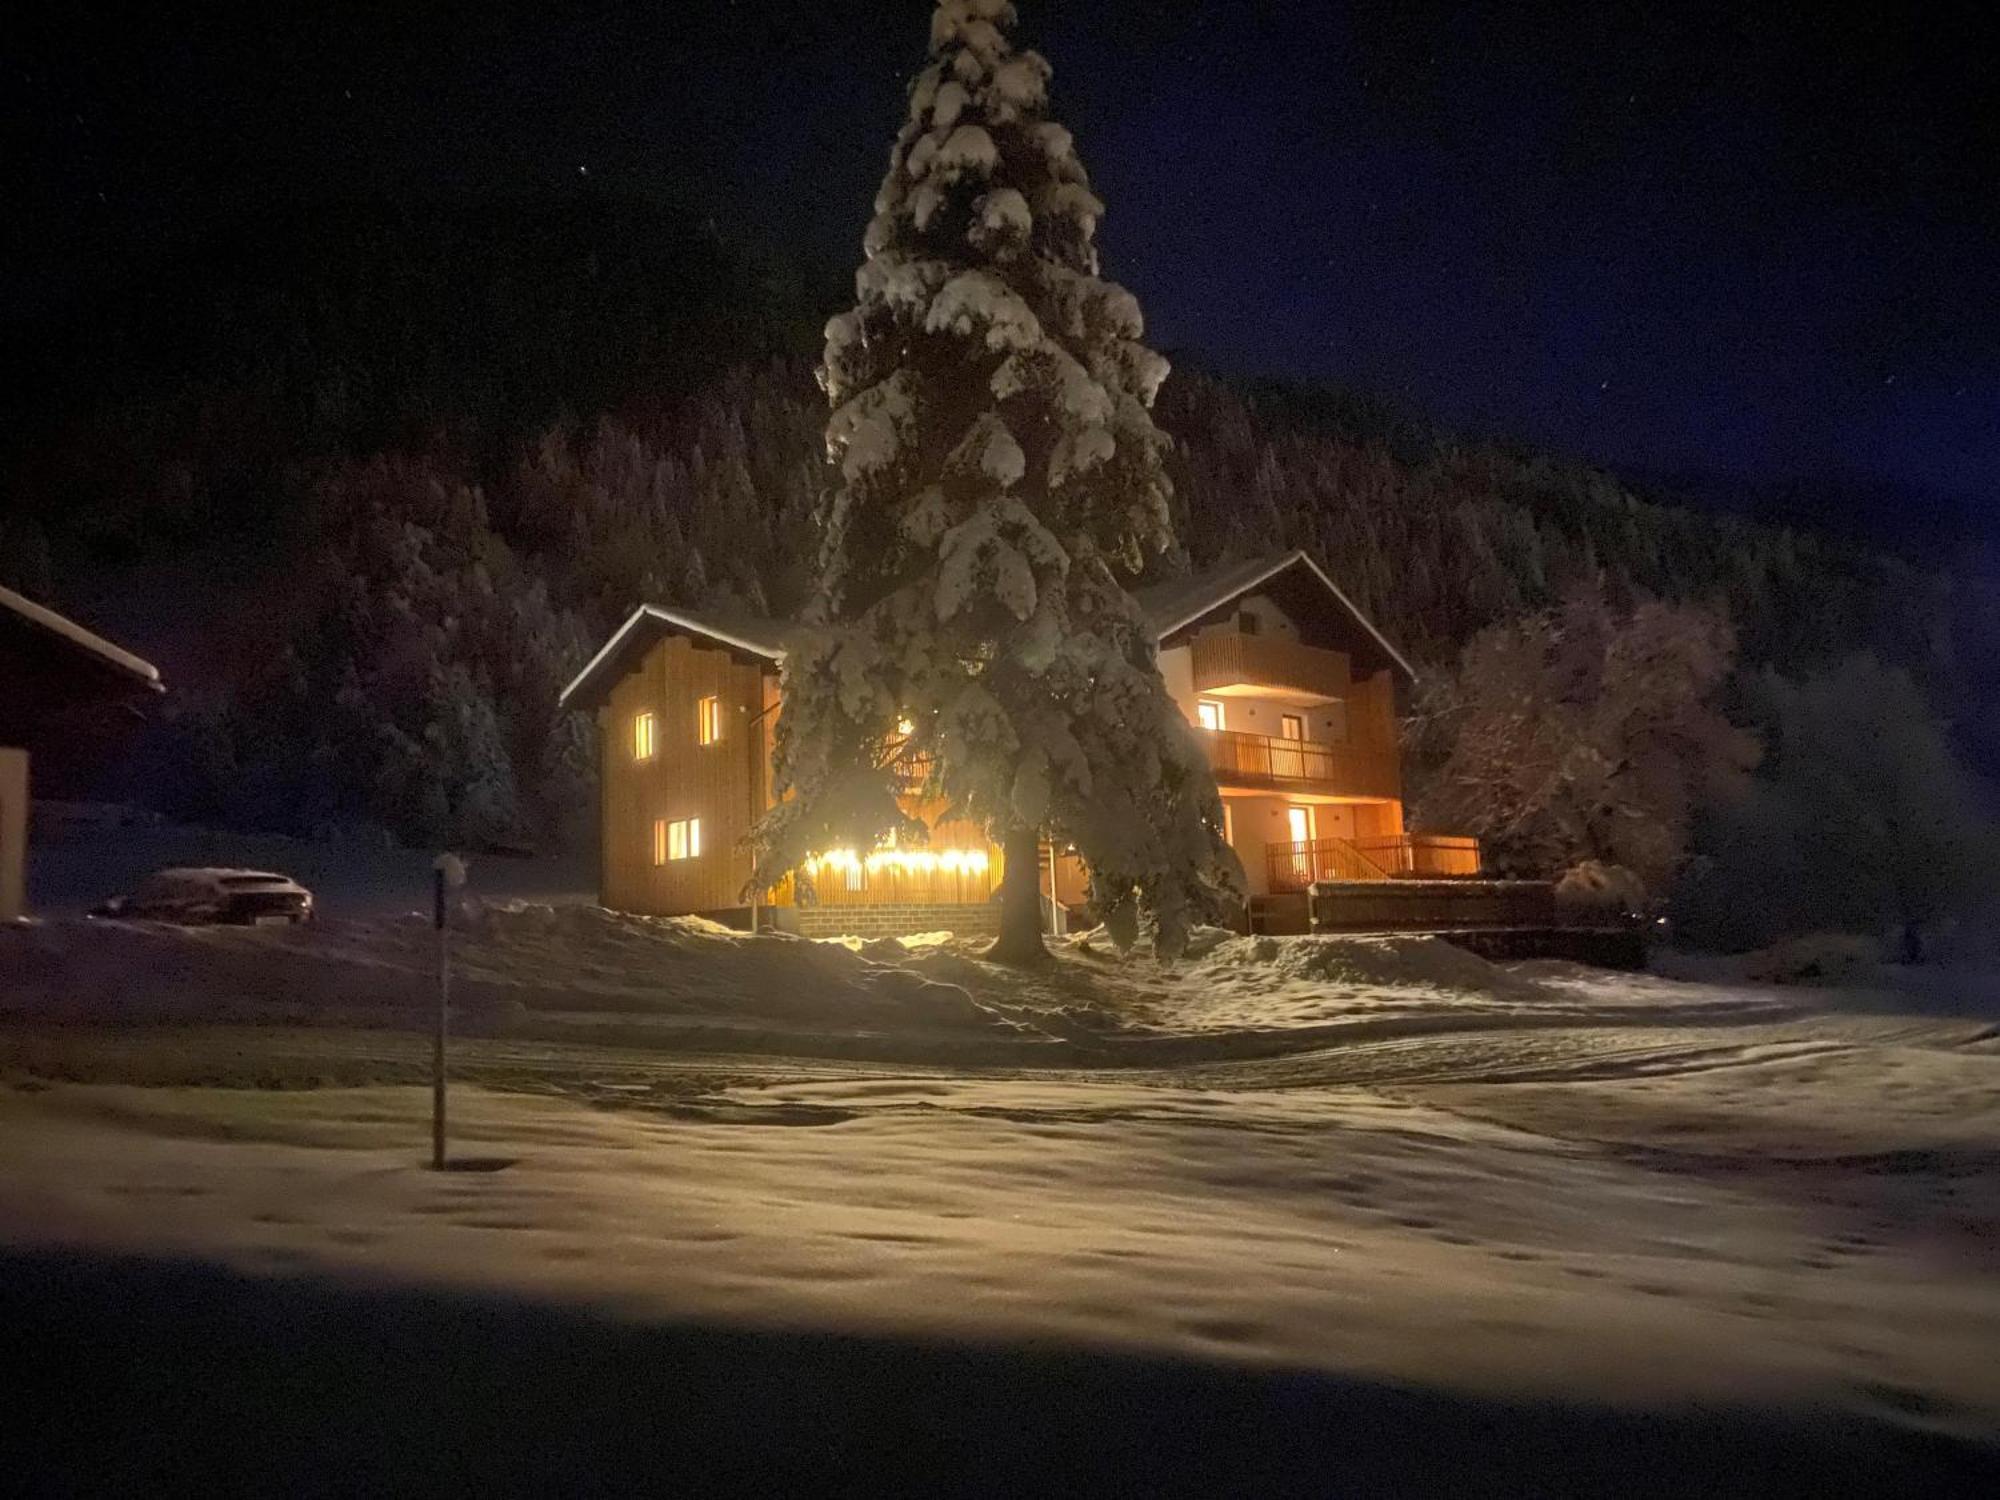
1292 688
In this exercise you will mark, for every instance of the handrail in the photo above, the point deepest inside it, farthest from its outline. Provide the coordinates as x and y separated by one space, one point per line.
1360 769
1427 855
1293 867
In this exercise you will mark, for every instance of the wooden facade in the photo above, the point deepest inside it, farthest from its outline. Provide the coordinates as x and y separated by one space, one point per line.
1229 662
721 787
685 737
1293 694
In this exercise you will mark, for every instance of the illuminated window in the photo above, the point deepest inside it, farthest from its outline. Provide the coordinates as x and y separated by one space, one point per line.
660 841
683 839
1228 824
1299 824
644 737
1291 727
710 720
1209 713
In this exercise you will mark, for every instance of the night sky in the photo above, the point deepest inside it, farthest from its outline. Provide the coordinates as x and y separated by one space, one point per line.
1754 242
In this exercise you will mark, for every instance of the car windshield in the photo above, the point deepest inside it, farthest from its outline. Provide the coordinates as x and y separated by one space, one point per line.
236 882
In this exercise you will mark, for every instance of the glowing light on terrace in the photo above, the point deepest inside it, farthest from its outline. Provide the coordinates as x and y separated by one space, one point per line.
903 861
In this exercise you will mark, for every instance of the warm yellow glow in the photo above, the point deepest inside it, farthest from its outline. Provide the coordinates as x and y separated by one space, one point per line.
678 840
905 728
710 716
904 861
642 737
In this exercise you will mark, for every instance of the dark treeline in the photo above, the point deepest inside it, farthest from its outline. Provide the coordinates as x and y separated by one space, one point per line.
178 406
374 483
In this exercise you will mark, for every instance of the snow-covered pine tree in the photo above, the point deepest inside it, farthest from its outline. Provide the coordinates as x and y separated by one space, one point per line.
998 469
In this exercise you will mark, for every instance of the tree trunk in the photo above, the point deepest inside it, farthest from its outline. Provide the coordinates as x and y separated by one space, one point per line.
1020 940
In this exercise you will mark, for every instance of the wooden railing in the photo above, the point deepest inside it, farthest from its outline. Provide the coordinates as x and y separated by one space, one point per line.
1423 856
1226 659
1260 760
896 885
1293 867
1403 856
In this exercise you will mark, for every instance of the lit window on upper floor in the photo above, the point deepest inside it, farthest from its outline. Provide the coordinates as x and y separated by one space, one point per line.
645 737
708 720
1208 714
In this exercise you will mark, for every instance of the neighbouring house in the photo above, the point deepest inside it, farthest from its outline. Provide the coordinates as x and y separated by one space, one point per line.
1293 690
55 677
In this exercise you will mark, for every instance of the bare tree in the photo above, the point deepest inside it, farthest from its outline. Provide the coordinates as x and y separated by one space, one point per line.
1581 733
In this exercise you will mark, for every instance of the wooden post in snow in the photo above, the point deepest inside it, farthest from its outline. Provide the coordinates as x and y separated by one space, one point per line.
447 875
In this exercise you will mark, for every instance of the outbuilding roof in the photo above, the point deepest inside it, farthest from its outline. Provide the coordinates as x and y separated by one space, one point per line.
63 632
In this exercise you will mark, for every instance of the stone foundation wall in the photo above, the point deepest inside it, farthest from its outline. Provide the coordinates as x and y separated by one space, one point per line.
891 920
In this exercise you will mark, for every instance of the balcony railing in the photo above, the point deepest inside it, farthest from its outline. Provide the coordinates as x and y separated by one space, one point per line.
1293 867
1402 856
1225 659
1423 856
1259 760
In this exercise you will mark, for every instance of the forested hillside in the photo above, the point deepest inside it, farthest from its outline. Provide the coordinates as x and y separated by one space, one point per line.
407 491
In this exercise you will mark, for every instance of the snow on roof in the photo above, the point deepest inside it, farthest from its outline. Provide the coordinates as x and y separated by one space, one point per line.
74 634
1168 606
1176 605
221 872
745 633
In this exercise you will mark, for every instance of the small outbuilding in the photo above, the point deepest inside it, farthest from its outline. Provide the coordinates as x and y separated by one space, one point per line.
51 670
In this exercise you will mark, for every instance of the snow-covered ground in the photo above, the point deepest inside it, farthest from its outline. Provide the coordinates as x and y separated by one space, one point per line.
564 971
1378 1158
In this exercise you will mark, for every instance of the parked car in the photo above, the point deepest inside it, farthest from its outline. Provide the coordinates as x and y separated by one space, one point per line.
194 898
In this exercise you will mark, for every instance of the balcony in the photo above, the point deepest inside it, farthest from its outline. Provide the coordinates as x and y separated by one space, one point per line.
1226 662
1402 856
1262 763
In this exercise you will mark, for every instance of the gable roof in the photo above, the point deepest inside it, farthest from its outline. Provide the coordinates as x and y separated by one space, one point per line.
1178 604
649 623
1168 607
38 620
